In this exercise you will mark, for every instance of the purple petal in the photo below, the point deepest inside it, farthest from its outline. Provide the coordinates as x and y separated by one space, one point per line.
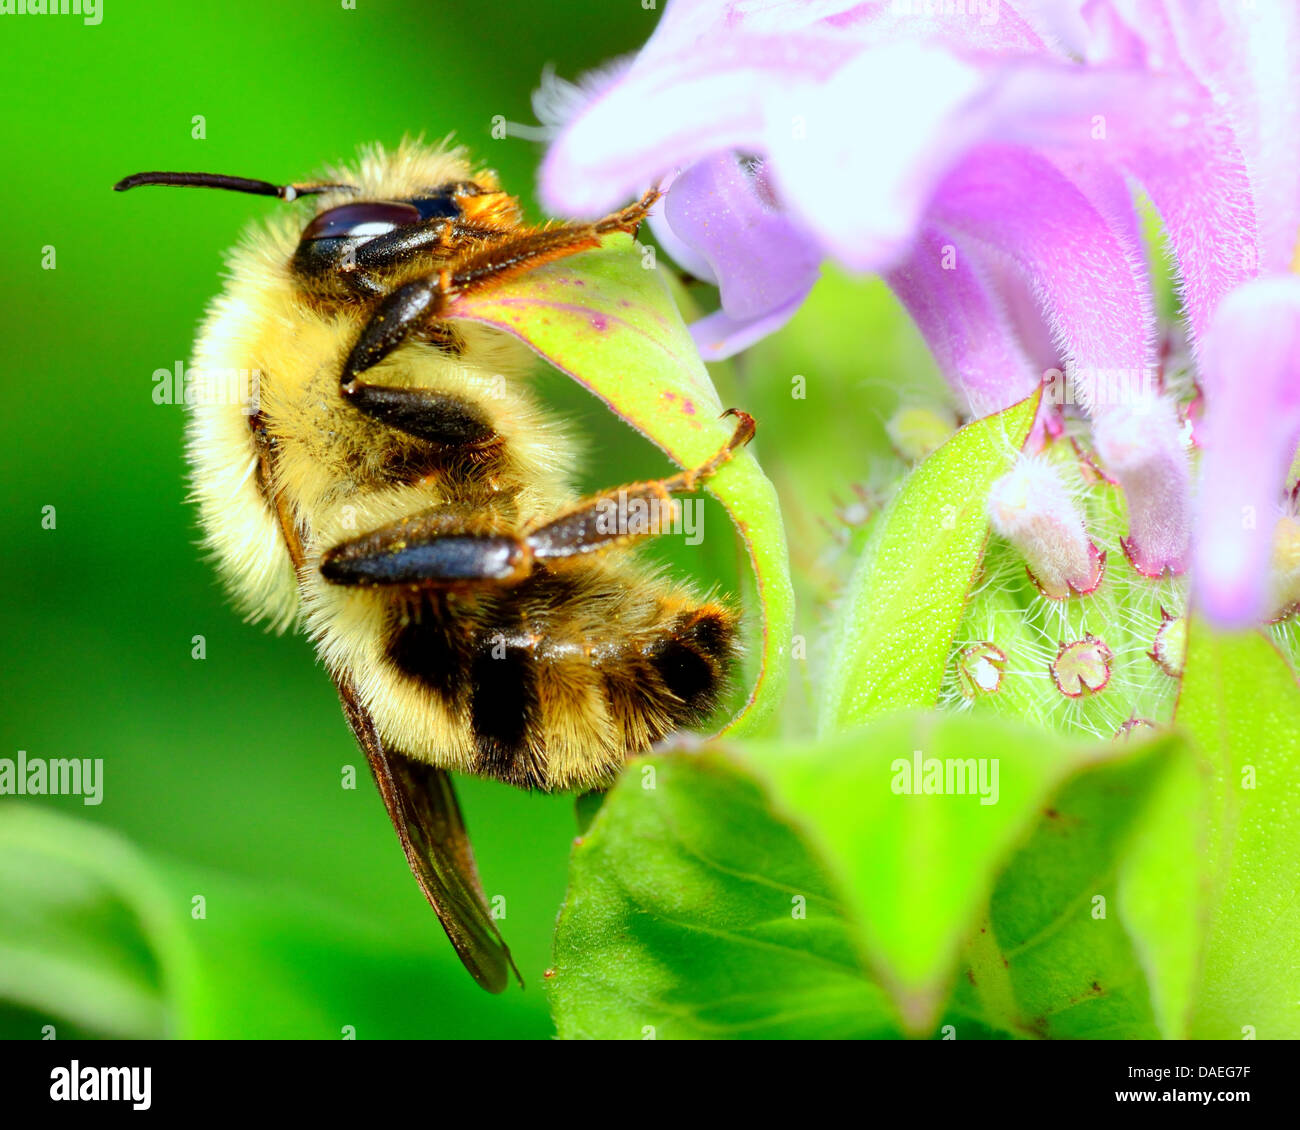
692 23
668 112
1090 283
759 256
1091 121
1250 371
719 336
678 250
718 75
1024 313
991 27
1165 129
816 135
1223 105
948 294
1207 213
1246 55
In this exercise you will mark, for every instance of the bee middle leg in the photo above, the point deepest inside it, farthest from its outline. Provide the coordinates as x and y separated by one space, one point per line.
416 303
438 417
446 551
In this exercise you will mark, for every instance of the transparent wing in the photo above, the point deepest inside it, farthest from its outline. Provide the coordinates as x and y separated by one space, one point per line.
422 806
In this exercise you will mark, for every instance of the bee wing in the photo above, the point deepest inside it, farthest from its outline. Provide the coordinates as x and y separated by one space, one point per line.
422 806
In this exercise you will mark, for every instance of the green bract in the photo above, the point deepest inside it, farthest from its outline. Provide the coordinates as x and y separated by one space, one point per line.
907 594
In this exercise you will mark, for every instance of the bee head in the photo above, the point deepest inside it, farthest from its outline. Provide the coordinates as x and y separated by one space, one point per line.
364 220
407 215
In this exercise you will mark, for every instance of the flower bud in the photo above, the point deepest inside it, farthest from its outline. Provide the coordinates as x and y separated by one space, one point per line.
1031 508
1141 447
1286 567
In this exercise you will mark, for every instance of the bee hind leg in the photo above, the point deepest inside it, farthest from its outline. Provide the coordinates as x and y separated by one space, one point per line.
624 514
429 551
450 551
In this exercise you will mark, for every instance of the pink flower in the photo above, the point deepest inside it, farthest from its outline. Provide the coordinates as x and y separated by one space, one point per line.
1234 245
1250 358
981 162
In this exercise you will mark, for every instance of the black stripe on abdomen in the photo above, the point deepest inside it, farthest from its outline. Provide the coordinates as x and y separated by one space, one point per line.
503 711
429 648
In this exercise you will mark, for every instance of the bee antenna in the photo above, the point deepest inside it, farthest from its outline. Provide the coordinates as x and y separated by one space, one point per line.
231 184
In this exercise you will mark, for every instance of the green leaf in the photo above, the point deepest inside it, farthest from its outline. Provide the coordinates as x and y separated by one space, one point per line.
100 939
1160 896
908 593
679 913
608 322
695 911
917 870
1241 706
825 404
80 918
1054 959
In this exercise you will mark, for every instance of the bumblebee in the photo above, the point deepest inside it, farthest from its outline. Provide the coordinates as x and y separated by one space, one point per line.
393 488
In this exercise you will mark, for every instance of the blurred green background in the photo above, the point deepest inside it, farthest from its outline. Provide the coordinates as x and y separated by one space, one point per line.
222 775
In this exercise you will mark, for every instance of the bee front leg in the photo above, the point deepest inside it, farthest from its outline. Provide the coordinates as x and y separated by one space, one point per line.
415 303
425 413
432 238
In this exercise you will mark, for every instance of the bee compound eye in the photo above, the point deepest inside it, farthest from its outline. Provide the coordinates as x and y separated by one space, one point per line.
361 221
439 205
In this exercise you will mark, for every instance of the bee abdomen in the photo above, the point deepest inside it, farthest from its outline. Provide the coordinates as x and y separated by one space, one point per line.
504 713
547 708
564 716
693 660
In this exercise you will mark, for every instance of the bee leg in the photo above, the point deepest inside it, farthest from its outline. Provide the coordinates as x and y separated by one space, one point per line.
424 413
438 236
445 551
437 551
394 320
360 266
420 300
623 514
